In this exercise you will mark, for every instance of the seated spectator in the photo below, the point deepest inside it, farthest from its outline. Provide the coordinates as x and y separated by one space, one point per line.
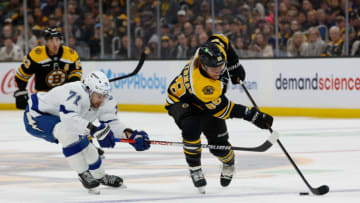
199 28
138 48
284 35
39 18
316 45
297 45
219 26
260 47
322 21
203 37
50 7
335 47
239 48
54 22
81 48
193 45
152 48
94 43
32 40
172 45
188 29
355 48
165 30
10 51
165 47
268 33
181 17
182 47
295 26
307 6
109 32
8 31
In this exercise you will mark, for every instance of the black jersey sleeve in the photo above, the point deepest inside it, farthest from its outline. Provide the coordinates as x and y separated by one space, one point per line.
24 72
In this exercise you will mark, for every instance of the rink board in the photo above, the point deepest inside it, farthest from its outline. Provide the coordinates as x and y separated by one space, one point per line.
291 87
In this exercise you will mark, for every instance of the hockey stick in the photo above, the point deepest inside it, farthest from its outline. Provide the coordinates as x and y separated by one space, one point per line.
317 191
136 70
261 148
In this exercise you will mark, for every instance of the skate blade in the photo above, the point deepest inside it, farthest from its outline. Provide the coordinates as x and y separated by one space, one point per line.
94 191
123 186
201 190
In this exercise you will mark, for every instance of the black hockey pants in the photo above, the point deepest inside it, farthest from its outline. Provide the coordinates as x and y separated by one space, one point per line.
192 122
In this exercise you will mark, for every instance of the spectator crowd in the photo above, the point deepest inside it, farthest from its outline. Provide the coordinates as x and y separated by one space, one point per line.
306 28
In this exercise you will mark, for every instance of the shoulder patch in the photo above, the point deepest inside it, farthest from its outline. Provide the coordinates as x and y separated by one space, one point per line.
38 54
208 90
69 55
38 50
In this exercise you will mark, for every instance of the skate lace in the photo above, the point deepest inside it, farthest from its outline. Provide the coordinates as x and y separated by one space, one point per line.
227 170
108 179
197 175
87 176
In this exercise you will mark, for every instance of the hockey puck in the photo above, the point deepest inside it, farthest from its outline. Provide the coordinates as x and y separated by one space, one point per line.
303 193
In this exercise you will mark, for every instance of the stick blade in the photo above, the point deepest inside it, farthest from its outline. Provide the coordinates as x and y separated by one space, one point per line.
135 71
321 190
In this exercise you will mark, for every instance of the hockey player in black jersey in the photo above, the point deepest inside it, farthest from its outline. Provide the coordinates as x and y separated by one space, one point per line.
197 102
53 64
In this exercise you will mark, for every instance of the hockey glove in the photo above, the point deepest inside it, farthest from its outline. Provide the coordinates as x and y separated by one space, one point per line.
21 97
141 139
260 119
237 73
104 135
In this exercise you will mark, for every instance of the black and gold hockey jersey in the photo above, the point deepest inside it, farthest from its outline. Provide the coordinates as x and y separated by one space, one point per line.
50 71
194 87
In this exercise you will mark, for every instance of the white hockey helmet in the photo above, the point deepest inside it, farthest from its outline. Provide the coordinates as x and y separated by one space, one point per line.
97 82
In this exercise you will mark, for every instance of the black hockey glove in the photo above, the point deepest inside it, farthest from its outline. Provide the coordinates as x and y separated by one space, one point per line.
260 119
21 97
237 73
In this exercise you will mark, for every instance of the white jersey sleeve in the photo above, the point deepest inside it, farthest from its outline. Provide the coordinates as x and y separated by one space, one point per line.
108 114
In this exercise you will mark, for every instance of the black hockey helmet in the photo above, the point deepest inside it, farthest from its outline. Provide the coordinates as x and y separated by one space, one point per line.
212 54
52 33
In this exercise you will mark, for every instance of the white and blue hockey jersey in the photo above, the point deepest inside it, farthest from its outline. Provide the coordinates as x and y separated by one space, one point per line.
71 103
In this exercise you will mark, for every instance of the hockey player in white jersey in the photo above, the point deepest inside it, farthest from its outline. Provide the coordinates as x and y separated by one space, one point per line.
66 115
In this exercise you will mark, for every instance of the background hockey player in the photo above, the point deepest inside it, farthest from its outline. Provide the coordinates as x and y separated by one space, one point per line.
197 102
53 64
66 114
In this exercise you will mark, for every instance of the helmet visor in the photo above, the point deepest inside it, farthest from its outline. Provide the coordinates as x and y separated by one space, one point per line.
221 67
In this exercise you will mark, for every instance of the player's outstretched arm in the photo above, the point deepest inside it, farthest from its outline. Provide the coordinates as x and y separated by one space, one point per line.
141 139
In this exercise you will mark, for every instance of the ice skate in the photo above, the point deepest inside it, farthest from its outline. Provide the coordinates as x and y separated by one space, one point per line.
112 181
198 179
89 182
227 172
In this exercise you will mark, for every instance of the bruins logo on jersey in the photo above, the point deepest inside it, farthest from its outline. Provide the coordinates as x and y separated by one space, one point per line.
208 90
55 78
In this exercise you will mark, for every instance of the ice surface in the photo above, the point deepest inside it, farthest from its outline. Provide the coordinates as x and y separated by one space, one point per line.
326 150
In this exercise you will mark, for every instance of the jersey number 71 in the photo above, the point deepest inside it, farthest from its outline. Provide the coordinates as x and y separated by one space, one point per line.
73 95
